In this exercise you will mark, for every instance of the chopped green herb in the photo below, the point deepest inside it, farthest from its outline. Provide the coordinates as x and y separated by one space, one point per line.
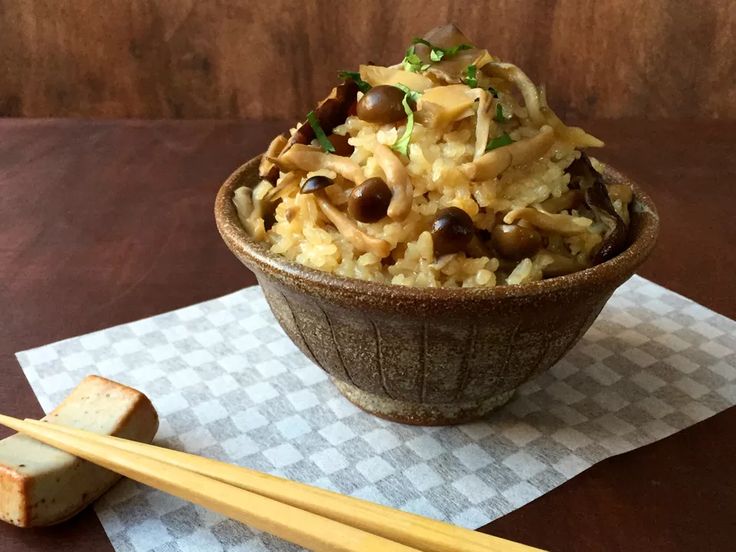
402 144
471 76
414 95
493 91
412 62
499 141
319 133
355 77
499 118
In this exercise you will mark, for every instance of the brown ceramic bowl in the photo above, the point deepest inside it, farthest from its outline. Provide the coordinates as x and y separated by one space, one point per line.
431 356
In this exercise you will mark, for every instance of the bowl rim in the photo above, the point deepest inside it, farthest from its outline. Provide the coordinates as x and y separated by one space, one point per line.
256 255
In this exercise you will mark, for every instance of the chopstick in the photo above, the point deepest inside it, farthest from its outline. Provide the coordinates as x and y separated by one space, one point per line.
293 524
366 518
407 528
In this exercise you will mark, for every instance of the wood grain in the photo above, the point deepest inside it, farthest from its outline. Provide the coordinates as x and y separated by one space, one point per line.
273 59
104 222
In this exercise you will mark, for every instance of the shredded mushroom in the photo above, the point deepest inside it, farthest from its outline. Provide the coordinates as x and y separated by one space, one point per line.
359 239
397 178
267 169
574 135
252 207
565 225
284 186
493 163
483 124
308 158
530 93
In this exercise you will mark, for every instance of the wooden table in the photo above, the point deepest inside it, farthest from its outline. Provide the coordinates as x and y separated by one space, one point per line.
106 222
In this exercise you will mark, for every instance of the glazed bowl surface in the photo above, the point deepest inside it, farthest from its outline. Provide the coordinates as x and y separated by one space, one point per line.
431 356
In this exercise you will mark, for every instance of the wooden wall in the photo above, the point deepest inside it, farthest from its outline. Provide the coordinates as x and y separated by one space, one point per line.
273 58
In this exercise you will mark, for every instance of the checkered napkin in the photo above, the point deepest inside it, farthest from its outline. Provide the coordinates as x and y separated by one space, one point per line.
229 384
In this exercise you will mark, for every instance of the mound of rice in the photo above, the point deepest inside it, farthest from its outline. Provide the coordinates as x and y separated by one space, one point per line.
300 231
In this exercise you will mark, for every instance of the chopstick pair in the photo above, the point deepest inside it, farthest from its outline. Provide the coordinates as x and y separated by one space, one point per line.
311 517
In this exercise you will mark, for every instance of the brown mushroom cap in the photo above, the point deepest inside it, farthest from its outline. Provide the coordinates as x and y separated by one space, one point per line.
330 112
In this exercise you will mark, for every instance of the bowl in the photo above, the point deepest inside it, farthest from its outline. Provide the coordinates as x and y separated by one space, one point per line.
431 356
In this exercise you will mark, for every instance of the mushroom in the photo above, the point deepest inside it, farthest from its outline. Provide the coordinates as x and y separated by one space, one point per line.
284 186
376 75
397 178
308 158
451 70
566 225
267 169
442 105
584 177
529 92
359 239
253 209
483 124
330 112
576 136
491 164
568 200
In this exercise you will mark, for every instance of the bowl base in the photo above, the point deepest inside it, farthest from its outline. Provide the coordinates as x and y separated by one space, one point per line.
425 414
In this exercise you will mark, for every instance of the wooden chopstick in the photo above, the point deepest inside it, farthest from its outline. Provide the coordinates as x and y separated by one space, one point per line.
293 524
402 527
410 529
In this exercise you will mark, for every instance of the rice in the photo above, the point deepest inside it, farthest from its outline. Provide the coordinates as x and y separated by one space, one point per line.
436 164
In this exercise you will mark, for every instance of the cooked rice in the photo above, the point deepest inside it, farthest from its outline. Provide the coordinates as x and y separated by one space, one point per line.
302 233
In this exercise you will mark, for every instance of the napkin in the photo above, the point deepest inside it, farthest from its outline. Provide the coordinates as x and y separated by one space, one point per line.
229 384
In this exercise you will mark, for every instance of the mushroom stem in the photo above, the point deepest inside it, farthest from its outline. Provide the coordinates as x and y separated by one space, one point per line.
483 124
397 178
359 239
267 168
493 163
565 225
283 186
307 158
530 93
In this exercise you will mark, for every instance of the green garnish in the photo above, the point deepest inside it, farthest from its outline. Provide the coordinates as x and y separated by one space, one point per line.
471 76
499 118
413 63
355 77
438 54
499 141
319 133
402 144
414 95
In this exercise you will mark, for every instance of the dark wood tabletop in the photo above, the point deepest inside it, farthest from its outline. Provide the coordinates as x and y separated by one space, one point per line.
109 221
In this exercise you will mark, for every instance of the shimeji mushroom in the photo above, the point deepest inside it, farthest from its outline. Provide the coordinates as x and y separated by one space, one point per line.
528 91
397 178
308 158
483 123
565 225
359 239
330 113
254 209
491 164
267 169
